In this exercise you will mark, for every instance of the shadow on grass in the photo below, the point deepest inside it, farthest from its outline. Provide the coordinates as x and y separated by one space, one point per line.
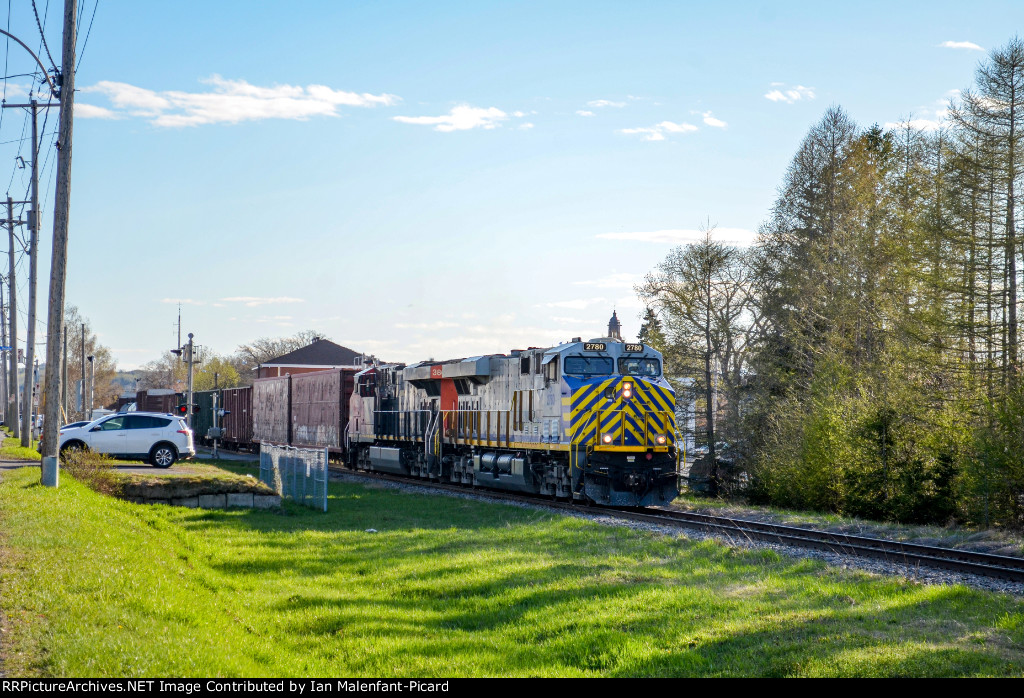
528 593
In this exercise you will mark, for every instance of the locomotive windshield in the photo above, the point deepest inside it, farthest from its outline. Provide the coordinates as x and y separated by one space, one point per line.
589 365
640 367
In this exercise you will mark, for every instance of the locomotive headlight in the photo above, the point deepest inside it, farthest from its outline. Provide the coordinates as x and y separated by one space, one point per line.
661 439
607 438
627 390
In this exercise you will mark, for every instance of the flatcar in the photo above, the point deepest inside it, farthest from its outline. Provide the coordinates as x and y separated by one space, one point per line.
591 420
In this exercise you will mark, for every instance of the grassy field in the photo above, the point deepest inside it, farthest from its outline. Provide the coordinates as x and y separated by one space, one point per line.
11 449
93 586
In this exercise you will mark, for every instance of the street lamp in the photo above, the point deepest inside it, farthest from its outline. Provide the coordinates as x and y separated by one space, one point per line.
92 378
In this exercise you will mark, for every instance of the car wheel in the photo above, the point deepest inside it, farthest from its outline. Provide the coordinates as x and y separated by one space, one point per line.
73 446
163 456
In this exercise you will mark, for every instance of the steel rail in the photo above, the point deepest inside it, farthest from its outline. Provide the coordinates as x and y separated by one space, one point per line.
904 553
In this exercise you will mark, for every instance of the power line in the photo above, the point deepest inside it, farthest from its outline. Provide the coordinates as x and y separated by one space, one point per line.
41 32
87 32
7 50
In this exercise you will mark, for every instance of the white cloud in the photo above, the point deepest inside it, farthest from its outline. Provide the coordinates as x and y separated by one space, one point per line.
931 117
89 111
229 101
598 103
460 118
676 128
526 126
584 112
789 95
651 134
658 131
254 301
617 280
961 44
14 89
712 121
734 236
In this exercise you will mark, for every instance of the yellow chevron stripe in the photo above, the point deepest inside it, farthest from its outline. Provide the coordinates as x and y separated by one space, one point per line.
658 400
593 391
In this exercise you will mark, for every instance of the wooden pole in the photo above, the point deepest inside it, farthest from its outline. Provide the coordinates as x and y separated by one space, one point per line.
13 387
61 216
27 416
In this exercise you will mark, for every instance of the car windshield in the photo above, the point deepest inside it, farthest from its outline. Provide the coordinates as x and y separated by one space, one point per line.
640 367
589 365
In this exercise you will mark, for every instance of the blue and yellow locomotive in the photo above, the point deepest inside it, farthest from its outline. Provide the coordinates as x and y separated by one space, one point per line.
590 420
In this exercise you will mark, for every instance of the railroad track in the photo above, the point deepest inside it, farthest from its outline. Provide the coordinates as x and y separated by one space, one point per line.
904 553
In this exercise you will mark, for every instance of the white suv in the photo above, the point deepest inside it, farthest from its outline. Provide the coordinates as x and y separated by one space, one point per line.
159 438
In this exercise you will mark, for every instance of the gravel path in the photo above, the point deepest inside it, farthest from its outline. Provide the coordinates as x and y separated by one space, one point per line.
923 575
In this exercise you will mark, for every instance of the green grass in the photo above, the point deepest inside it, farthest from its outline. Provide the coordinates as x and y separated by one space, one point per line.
11 449
93 586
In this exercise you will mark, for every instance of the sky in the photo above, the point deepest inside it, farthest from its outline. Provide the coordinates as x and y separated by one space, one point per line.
439 180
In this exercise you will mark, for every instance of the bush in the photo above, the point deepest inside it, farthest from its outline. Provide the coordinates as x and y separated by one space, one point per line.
93 469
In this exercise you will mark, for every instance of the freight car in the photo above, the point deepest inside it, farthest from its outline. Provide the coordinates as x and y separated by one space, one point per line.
589 420
303 409
237 423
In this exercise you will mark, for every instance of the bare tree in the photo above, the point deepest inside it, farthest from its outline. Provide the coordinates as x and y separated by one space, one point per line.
701 292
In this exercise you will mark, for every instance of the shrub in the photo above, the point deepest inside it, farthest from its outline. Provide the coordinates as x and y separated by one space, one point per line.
93 469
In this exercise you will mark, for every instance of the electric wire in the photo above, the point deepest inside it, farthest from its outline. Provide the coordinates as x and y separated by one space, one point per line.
42 34
78 62
7 50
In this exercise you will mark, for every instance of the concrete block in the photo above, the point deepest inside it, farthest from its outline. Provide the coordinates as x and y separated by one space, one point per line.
213 501
190 502
266 501
236 499
50 471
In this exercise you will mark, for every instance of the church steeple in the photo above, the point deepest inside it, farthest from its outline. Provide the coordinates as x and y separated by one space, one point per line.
614 328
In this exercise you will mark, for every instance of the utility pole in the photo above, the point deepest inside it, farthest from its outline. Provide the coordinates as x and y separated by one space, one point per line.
188 399
13 294
34 405
216 422
83 373
28 426
58 263
64 382
179 331
92 376
3 371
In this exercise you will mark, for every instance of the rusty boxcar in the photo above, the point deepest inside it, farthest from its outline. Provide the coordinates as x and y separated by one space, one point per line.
271 413
238 423
157 400
319 407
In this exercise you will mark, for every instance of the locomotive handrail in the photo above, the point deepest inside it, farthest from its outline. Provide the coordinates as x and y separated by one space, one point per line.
600 414
400 412
478 432
646 441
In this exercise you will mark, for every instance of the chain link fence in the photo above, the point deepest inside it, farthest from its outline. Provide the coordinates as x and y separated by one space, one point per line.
299 474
